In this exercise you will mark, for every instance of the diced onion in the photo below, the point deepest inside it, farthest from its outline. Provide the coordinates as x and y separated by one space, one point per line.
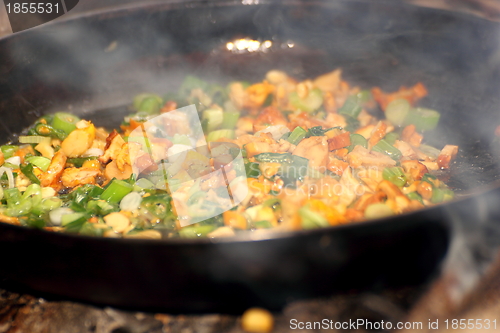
34 139
131 201
10 176
175 152
93 152
276 131
15 160
57 214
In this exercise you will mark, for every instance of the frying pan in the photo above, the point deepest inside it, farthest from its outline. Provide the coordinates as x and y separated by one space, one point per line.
95 63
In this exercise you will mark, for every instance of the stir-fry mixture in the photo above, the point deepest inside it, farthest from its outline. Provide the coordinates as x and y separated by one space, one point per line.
313 155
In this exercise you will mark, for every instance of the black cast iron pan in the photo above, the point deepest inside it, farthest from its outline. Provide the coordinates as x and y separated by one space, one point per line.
100 60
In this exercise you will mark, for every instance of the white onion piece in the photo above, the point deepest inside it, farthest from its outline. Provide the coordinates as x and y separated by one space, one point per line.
277 131
10 176
57 214
131 201
93 152
15 160
175 152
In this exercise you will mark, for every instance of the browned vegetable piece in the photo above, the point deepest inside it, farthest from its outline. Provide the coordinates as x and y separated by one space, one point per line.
53 174
72 177
412 95
112 171
339 141
267 117
414 168
377 134
315 149
446 155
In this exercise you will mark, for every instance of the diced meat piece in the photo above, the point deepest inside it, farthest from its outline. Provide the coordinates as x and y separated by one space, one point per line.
269 116
256 94
72 177
330 81
414 168
406 149
446 155
112 171
411 136
337 166
315 149
412 95
365 131
79 141
339 141
377 134
52 175
361 156
113 147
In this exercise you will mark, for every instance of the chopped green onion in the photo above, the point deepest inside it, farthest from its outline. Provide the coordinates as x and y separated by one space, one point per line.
316 131
78 161
116 191
364 96
223 133
33 139
262 225
20 209
74 221
429 179
196 231
312 220
131 201
213 119
51 203
252 170
143 183
191 82
377 211
296 168
395 175
158 205
397 111
35 221
181 139
89 229
384 147
351 107
415 196
391 137
357 140
423 119
39 161
429 151
230 118
76 207
33 193
27 170
9 150
65 122
352 123
297 135
311 103
441 195
47 130
148 103
273 157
